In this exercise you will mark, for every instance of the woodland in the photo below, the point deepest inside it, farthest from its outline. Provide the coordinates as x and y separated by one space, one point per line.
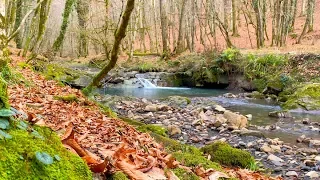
159 89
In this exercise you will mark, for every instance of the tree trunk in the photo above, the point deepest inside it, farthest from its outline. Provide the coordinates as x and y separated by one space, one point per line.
303 8
308 20
180 44
67 11
119 35
82 8
164 29
18 38
234 19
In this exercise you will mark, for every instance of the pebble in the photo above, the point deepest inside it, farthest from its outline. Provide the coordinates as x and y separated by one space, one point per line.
292 173
312 174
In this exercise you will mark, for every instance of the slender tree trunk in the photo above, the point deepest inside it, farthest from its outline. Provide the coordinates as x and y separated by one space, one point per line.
308 20
18 19
164 29
180 44
303 8
83 15
155 24
119 35
234 19
67 11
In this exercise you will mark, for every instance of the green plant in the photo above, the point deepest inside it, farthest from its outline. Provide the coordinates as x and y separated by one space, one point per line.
223 153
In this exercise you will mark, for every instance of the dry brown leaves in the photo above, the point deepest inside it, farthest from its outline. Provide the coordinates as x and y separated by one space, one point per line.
106 144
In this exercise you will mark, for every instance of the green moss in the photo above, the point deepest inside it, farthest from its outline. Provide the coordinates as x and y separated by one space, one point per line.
191 160
185 175
117 176
4 99
68 98
107 111
18 161
24 65
153 128
306 96
223 153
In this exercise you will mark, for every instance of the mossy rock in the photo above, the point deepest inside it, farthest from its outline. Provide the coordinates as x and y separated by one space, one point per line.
224 154
306 96
117 176
154 128
178 101
68 98
257 95
185 175
18 156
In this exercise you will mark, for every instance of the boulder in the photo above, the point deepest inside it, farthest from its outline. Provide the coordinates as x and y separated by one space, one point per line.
151 108
275 160
219 108
308 151
249 117
203 116
162 117
235 120
314 143
292 173
312 175
174 130
280 114
266 148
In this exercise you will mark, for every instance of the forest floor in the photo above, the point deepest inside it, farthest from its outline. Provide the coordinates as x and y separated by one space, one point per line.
103 137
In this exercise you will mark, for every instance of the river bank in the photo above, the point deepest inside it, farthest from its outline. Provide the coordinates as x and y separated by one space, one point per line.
201 121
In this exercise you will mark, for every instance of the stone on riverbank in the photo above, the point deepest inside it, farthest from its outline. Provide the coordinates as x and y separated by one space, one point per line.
235 120
275 160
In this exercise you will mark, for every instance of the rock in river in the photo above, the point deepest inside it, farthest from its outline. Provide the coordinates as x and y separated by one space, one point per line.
275 160
174 130
312 175
292 173
235 120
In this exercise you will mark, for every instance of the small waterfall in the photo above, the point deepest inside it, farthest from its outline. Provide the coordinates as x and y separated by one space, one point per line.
146 83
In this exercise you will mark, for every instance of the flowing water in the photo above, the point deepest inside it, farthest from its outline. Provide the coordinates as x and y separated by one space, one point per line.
289 130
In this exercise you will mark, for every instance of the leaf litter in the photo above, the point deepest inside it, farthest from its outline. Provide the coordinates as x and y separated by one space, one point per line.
106 144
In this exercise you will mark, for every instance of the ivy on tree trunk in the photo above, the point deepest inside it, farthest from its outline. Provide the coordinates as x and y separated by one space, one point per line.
67 11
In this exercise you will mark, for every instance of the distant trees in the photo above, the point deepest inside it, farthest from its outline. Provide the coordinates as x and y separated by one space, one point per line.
162 27
119 35
9 29
309 20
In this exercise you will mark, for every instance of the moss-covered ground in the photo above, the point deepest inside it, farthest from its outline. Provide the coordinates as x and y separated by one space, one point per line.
18 155
224 154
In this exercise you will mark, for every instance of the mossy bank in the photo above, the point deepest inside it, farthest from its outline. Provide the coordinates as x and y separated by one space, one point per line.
37 153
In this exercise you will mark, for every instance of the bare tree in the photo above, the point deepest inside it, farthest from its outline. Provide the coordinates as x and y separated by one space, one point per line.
119 35
164 29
